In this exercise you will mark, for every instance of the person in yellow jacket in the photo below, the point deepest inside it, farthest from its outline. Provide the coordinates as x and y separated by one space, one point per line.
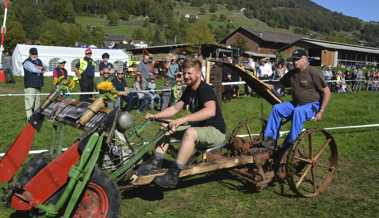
85 72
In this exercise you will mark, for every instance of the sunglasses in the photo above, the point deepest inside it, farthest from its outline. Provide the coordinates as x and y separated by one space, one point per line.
88 53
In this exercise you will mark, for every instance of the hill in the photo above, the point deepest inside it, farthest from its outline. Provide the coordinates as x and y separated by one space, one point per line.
171 21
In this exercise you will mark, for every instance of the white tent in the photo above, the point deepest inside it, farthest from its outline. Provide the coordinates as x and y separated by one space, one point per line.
50 54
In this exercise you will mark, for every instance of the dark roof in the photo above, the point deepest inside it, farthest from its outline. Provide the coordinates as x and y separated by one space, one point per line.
335 46
267 36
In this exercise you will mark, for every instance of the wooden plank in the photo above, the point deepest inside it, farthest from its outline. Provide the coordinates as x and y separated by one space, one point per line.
201 168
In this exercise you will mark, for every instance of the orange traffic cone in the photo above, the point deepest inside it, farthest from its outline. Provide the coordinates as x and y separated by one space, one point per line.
3 78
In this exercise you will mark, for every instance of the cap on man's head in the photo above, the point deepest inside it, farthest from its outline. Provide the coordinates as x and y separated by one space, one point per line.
33 51
88 51
298 54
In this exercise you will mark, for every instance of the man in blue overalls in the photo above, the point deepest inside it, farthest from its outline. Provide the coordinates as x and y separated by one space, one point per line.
310 97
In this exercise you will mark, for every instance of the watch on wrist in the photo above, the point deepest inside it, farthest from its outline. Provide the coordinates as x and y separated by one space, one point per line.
321 110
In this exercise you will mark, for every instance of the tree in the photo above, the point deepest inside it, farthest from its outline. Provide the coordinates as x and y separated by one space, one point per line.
138 34
15 34
199 33
213 7
61 10
113 18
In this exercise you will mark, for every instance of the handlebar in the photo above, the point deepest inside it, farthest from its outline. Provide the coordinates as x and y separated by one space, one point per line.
160 120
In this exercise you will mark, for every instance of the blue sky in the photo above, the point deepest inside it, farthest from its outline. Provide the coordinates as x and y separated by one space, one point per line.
367 10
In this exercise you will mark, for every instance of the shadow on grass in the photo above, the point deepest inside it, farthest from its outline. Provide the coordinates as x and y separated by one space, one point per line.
153 193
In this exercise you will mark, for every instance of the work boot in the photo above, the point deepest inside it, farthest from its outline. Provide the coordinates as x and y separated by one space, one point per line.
170 178
148 167
269 144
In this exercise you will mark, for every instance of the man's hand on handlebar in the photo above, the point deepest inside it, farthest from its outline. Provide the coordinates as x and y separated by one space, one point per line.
149 116
176 123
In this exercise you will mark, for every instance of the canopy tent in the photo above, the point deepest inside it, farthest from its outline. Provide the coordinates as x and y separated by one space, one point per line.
50 55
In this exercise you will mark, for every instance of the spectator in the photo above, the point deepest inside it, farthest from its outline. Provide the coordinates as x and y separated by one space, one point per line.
119 83
172 70
142 97
230 91
359 80
328 74
85 72
106 75
281 70
165 95
59 71
266 69
177 89
144 69
33 82
341 83
105 64
125 67
251 65
155 99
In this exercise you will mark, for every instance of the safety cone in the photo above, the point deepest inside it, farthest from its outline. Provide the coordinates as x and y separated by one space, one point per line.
3 77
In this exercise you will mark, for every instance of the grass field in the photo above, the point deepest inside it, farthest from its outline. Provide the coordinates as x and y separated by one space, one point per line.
353 193
127 27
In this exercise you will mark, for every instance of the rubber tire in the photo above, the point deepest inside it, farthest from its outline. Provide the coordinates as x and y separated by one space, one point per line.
110 188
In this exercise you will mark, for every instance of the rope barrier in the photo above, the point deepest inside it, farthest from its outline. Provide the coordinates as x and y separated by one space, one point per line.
255 134
79 93
147 91
328 128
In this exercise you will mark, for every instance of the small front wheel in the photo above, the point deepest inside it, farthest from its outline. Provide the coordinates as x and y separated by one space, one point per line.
100 199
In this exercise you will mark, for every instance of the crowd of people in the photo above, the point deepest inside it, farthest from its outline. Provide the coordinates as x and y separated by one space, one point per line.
142 95
343 79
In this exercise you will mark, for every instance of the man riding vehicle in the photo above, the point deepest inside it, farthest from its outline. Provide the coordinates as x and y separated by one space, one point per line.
206 121
310 97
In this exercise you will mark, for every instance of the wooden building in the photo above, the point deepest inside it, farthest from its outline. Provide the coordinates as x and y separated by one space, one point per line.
259 44
328 53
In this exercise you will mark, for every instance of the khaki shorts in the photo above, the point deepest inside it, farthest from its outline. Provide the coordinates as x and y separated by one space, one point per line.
207 136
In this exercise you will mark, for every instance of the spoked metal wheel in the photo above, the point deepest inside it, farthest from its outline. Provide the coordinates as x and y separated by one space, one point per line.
312 163
247 134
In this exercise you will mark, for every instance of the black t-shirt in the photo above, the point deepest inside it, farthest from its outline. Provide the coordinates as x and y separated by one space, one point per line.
195 99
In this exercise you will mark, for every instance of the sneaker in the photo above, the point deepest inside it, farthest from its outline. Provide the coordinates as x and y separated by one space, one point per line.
149 167
169 179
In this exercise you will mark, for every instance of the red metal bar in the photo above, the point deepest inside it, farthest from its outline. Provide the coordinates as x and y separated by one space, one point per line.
16 154
48 181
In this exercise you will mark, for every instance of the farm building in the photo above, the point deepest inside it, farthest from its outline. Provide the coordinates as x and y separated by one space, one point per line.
333 53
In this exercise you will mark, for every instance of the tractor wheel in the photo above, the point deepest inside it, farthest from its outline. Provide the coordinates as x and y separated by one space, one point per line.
311 163
100 199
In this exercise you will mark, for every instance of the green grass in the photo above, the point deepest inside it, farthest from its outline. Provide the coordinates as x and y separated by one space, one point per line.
123 28
353 193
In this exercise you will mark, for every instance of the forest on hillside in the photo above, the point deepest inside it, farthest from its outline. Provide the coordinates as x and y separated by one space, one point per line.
53 22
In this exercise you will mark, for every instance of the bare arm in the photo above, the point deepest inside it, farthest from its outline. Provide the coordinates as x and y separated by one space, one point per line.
324 103
207 112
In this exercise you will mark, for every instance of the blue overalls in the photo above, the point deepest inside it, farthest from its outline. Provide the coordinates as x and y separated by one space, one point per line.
288 110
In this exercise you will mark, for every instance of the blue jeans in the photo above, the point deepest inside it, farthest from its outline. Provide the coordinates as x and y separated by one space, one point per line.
288 110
